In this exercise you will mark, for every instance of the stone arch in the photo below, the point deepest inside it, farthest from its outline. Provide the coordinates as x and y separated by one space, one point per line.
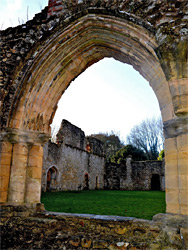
79 36
96 182
86 181
52 175
95 37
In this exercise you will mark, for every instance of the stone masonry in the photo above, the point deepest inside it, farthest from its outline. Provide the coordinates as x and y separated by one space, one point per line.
73 159
136 175
67 164
50 230
39 60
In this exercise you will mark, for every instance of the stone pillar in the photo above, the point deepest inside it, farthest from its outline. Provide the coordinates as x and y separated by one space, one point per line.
21 166
182 147
5 162
172 52
129 182
34 174
18 173
176 165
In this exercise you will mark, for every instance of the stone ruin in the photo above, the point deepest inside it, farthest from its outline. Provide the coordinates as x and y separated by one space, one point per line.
135 175
39 60
77 162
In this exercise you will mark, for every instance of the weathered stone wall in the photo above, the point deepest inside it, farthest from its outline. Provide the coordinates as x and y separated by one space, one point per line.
71 135
72 161
166 20
93 145
40 59
135 175
72 164
47 230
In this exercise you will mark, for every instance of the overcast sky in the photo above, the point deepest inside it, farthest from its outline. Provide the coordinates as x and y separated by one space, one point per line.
108 96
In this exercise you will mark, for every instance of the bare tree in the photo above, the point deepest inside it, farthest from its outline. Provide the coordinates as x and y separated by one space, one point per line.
111 140
148 136
27 13
2 26
40 6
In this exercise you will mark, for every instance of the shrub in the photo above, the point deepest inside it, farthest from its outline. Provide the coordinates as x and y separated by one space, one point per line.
161 155
121 155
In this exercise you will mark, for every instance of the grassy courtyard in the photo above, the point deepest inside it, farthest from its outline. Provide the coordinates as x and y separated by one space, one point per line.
139 204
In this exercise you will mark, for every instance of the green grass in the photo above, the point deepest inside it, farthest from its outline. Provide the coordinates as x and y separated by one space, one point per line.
139 204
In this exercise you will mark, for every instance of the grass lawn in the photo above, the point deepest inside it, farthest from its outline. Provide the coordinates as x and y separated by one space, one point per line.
139 204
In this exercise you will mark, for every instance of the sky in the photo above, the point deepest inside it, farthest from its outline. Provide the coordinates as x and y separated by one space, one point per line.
108 96
14 12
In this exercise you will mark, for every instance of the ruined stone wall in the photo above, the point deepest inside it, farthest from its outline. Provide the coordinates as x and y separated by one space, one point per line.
72 162
47 230
39 60
138 176
96 171
21 45
93 145
71 135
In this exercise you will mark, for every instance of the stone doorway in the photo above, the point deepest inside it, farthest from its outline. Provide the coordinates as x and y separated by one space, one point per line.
51 184
97 182
155 182
86 182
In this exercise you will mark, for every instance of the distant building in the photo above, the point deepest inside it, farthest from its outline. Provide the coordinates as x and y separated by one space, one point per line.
78 162
136 175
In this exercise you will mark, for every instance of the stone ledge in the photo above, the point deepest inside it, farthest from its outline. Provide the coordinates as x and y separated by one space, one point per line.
47 230
88 216
23 136
176 127
170 219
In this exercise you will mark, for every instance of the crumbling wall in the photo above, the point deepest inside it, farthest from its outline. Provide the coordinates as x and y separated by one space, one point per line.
47 230
93 145
38 63
72 164
71 135
73 160
135 175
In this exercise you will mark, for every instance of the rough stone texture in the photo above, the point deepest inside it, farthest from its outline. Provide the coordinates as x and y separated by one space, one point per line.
94 145
74 157
47 230
71 135
40 58
21 155
137 176
166 21
72 165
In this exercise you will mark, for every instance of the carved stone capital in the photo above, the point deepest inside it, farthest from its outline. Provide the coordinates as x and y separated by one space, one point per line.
23 136
176 127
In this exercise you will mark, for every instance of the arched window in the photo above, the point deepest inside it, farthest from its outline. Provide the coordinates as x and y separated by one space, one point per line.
51 179
86 182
